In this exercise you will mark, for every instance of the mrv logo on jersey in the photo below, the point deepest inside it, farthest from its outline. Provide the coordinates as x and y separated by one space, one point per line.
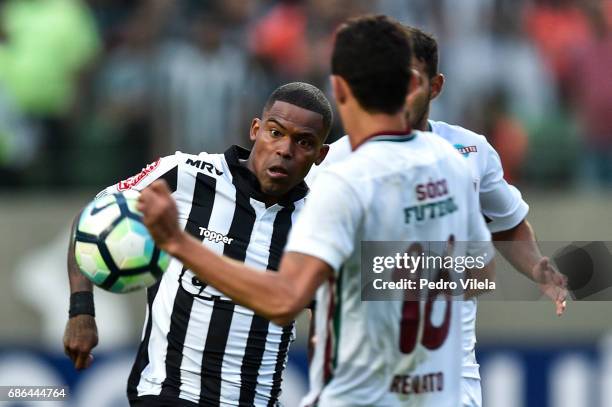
203 165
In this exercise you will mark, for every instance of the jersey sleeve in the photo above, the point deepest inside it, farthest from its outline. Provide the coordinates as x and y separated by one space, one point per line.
164 168
479 236
327 225
501 203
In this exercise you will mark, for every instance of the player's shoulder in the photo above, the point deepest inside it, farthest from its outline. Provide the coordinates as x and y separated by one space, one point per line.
383 154
340 147
180 156
435 151
456 134
430 139
344 163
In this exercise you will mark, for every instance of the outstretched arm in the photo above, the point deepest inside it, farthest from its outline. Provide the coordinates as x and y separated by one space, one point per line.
81 333
277 296
521 250
503 204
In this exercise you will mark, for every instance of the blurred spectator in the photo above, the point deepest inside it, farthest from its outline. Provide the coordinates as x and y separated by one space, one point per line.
557 27
18 141
280 37
324 16
199 86
191 74
48 45
591 96
49 42
118 116
110 17
507 135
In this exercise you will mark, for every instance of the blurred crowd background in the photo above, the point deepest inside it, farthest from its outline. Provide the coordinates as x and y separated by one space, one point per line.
92 90
109 85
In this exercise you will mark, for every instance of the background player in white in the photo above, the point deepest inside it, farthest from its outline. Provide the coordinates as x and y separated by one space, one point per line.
363 198
500 203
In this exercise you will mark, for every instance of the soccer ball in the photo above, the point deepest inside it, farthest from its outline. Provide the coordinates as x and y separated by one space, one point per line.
114 249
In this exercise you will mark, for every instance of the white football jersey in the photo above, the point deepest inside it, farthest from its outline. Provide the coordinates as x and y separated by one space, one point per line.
500 203
363 356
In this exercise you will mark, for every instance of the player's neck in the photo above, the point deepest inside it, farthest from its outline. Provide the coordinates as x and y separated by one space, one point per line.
422 125
363 126
267 199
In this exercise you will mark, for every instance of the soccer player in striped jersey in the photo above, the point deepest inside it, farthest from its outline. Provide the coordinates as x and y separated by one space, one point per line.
361 345
198 346
500 203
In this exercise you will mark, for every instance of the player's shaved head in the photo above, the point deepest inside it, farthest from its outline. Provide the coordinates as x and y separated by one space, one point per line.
289 138
307 97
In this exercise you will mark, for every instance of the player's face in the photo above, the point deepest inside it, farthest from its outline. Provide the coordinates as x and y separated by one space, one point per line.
288 140
419 99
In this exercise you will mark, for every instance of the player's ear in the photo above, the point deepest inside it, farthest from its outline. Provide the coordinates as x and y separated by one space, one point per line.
340 89
322 154
255 126
436 84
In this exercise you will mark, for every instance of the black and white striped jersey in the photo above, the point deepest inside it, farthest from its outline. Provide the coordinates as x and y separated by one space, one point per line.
197 345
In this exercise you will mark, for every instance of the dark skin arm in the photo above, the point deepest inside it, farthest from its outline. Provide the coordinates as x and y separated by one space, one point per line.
81 333
525 256
278 297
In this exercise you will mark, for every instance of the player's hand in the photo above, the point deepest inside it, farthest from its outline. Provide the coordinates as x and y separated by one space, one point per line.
552 283
80 337
160 215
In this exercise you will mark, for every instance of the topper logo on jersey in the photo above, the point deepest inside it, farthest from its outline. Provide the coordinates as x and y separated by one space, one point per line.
214 236
133 181
465 151
188 281
203 165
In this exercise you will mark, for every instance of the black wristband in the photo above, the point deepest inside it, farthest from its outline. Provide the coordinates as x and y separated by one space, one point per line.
81 303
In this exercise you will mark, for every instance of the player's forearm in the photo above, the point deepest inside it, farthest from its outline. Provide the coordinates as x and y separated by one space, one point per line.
266 293
78 282
518 245
480 275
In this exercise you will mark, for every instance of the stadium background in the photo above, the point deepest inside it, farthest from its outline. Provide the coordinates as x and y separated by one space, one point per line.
90 91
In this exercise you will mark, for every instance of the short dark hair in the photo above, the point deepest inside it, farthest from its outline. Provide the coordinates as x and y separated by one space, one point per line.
425 48
373 53
307 97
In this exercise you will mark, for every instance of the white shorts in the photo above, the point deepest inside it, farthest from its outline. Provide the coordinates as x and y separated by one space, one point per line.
471 393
